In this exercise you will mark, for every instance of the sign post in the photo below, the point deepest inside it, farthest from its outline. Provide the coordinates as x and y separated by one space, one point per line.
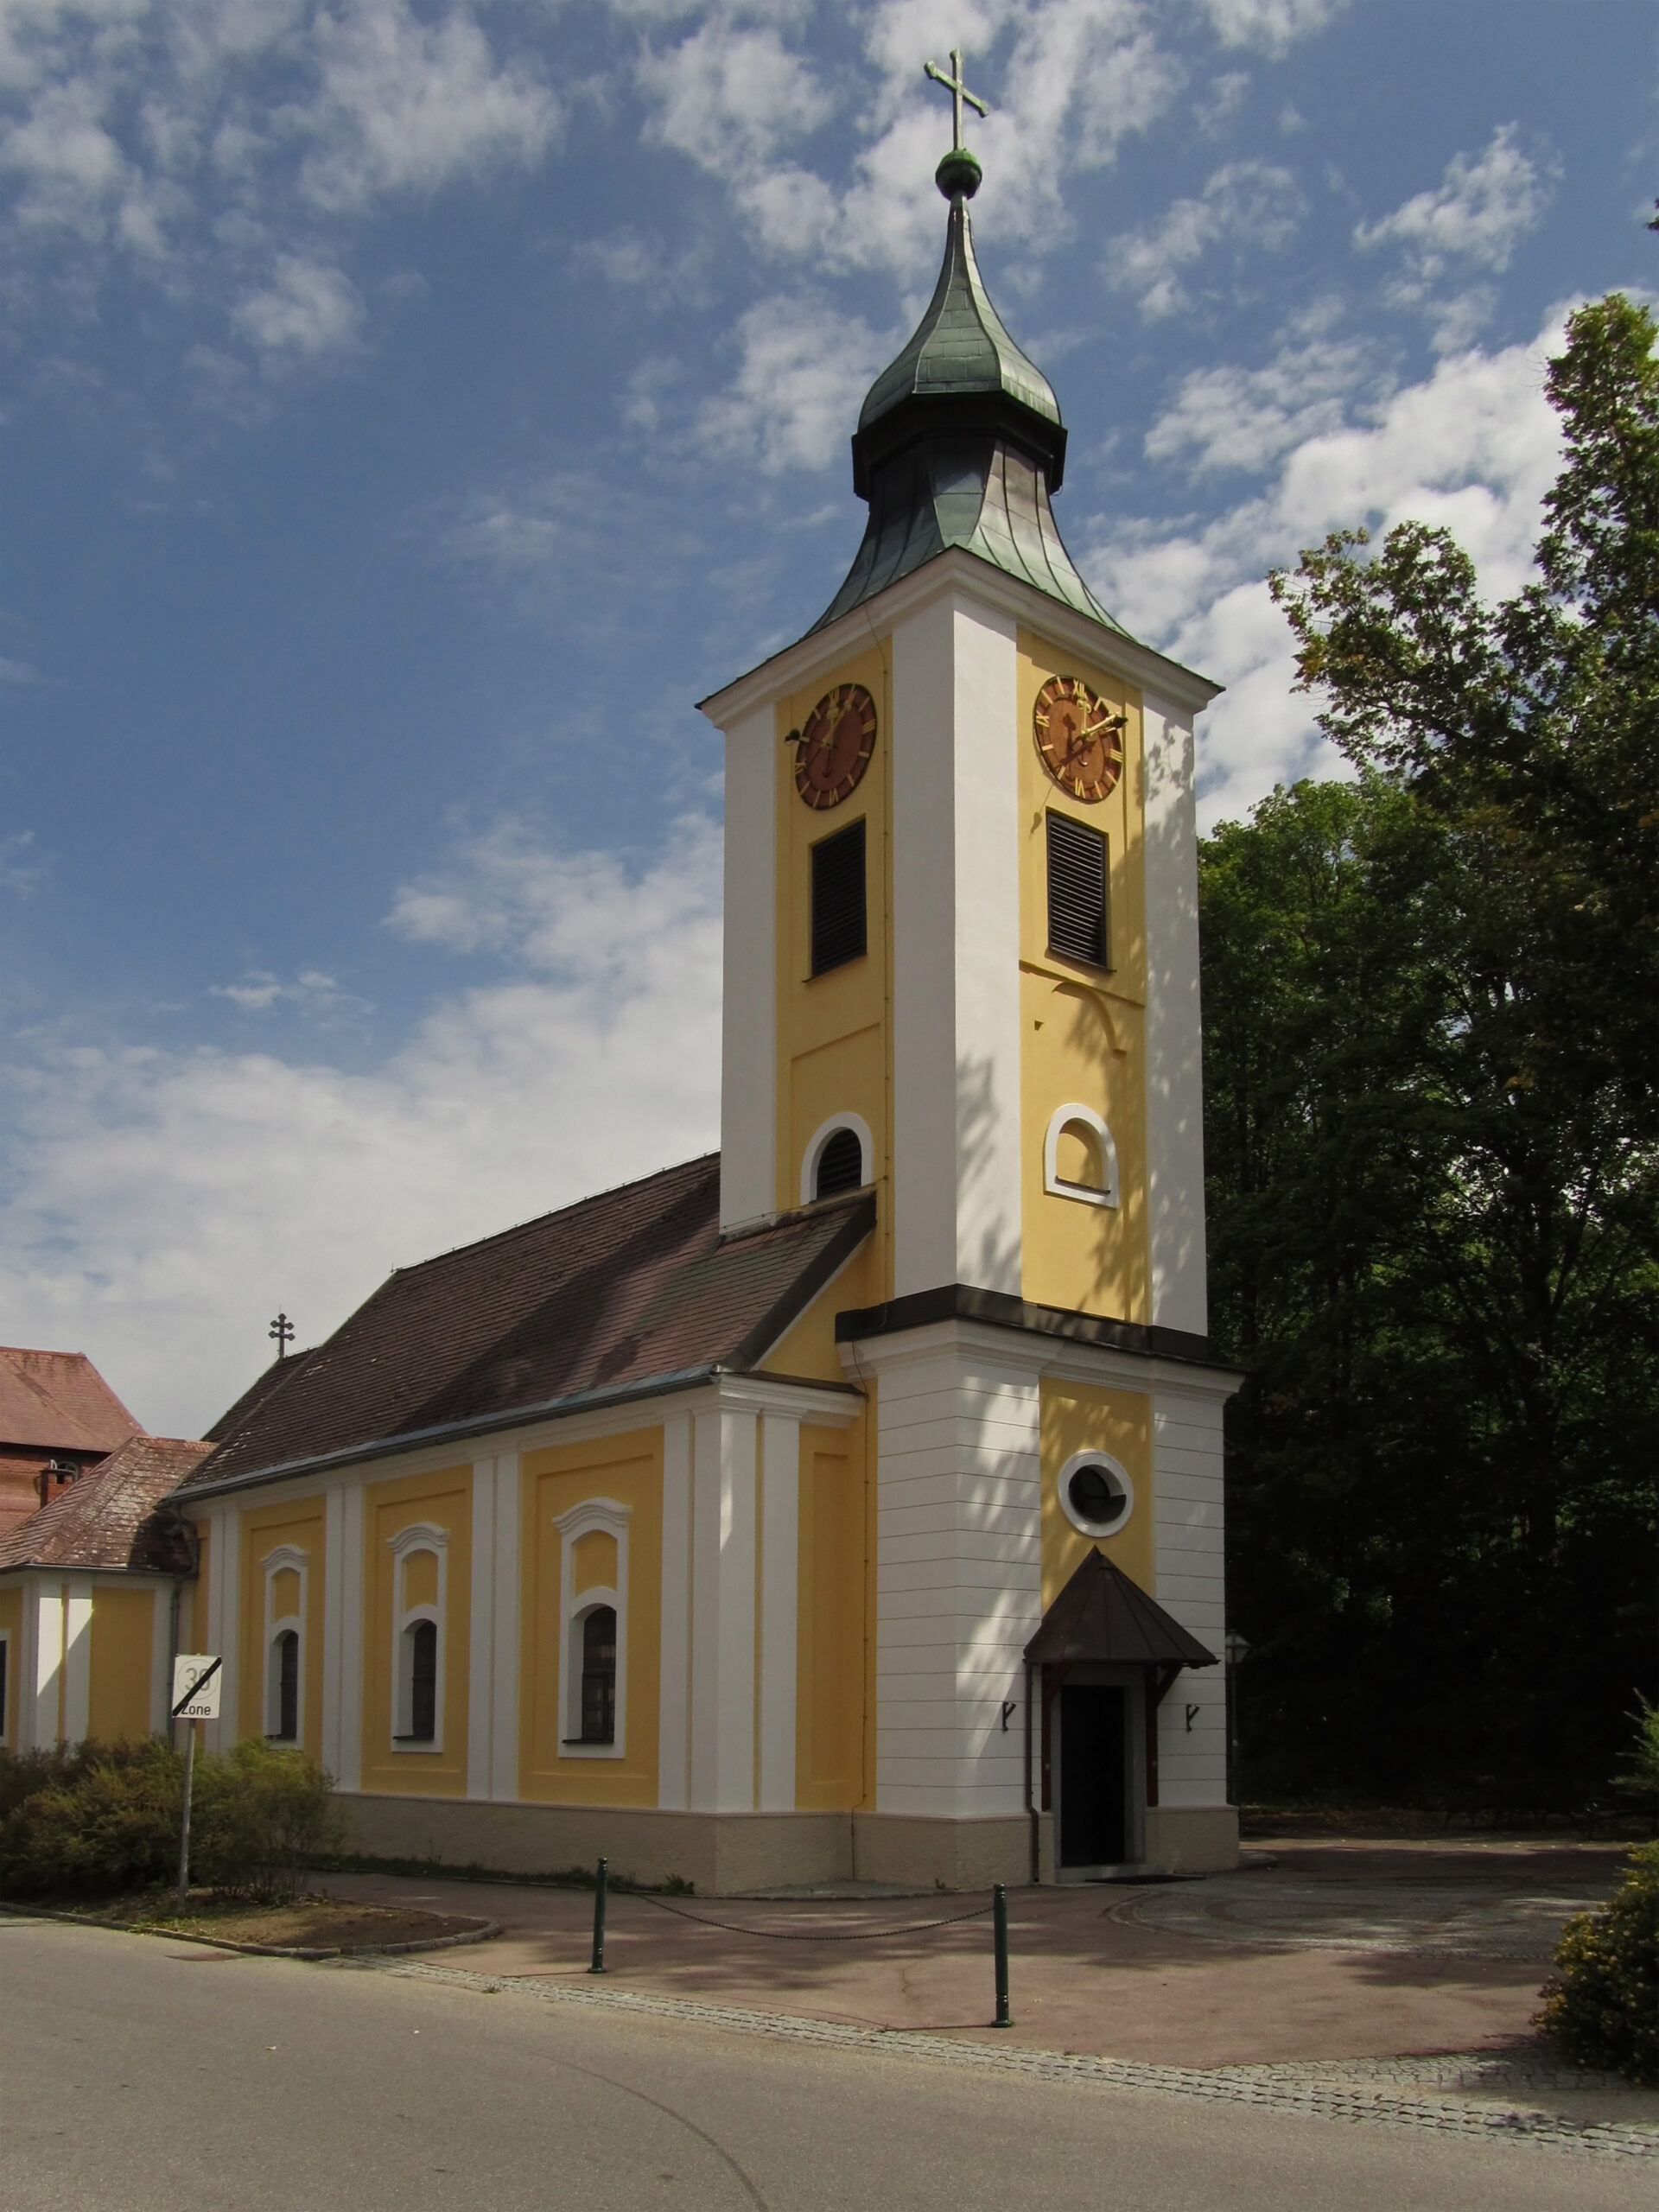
196 1683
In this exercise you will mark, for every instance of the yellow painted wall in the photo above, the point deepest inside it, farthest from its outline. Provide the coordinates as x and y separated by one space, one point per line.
629 1469
444 1499
835 1050
119 1690
829 1696
11 1621
808 1348
1079 1417
1082 1028
263 1527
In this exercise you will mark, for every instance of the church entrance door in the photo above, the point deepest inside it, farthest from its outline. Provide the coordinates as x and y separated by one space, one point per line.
1094 1775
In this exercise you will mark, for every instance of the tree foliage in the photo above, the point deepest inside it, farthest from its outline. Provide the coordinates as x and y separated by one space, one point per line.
1433 1133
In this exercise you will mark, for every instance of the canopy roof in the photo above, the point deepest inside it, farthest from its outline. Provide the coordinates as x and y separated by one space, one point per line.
1102 1615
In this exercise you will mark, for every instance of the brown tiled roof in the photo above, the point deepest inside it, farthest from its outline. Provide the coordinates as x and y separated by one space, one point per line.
58 1399
237 1416
112 1517
1102 1615
612 1294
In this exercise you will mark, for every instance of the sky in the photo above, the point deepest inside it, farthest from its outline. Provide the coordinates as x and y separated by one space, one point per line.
413 407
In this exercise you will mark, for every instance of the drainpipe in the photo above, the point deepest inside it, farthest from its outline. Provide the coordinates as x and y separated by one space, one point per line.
187 1530
1031 1809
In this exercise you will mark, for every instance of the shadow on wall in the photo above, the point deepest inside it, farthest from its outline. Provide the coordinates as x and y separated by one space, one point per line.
982 1186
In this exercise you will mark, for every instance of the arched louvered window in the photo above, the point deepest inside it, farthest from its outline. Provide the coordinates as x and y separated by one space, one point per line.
841 1165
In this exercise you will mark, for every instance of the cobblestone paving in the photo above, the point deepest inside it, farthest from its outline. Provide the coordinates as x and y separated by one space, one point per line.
1399 2093
1479 1919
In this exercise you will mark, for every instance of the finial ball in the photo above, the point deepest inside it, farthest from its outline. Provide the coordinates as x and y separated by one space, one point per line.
959 174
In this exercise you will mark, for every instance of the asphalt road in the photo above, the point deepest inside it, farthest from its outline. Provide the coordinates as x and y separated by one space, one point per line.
153 2076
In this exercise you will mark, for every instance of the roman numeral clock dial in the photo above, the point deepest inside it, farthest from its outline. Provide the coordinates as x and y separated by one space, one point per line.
1079 738
833 749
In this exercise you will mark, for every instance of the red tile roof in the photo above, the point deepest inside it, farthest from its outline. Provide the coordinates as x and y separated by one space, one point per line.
58 1400
614 1293
112 1517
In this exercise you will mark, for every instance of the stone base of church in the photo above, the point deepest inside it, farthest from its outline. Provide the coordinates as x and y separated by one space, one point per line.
724 1854
924 1852
721 1853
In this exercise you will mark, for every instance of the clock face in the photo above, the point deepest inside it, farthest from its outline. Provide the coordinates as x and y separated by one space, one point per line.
1080 737
835 745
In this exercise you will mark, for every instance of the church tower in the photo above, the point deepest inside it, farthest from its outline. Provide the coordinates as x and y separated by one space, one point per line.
962 970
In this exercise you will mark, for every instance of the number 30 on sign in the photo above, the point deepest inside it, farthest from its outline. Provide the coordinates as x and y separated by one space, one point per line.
196 1679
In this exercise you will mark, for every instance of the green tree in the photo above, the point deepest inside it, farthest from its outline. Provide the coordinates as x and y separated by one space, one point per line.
1435 1148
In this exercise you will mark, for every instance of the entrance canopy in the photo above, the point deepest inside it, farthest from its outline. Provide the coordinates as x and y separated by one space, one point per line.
1102 1615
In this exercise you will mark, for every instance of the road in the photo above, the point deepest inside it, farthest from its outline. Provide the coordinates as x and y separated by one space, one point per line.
153 2076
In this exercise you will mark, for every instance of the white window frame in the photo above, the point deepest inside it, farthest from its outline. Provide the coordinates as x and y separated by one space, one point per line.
1095 1460
814 1152
287 1558
419 1536
1064 1117
608 1517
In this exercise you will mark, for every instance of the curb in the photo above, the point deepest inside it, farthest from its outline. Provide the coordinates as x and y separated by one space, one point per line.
1354 2102
484 1930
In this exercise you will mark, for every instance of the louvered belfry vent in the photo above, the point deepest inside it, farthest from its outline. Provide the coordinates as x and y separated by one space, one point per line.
839 931
1077 891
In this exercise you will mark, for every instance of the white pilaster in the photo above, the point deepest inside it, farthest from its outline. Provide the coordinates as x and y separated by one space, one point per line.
1174 1031
780 1500
748 1036
955 932
481 1639
1191 1566
722 1618
353 1608
45 1686
958 1565
77 1659
674 1687
504 1656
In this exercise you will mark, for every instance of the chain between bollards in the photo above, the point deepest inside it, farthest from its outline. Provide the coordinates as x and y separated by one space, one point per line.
598 1966
1000 1937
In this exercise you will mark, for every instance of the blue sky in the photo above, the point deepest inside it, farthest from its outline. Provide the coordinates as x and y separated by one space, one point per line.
413 408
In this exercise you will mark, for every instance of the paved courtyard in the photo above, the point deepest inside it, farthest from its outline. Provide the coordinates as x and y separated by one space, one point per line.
1414 1963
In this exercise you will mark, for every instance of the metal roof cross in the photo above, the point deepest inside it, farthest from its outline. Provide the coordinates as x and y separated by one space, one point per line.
958 92
284 1332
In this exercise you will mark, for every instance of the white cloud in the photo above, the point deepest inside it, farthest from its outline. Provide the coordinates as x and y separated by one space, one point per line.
1270 25
311 991
1250 204
1474 219
406 105
1475 448
805 371
1232 418
166 1204
308 308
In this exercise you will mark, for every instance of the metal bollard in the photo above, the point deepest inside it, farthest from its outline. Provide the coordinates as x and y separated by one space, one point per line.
598 1966
1000 1930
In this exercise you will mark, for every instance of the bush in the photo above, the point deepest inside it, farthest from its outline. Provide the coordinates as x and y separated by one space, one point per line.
104 1818
1641 1777
1602 2002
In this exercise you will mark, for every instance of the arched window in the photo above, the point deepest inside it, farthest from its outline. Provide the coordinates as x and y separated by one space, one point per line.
421 1649
598 1675
1079 1159
285 1667
420 1586
839 1157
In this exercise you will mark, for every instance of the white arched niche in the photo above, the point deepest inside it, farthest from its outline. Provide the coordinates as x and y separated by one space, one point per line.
1085 1124
821 1136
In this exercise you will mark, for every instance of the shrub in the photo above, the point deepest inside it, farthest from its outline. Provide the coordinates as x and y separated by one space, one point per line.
1641 1777
104 1818
258 1815
1602 2002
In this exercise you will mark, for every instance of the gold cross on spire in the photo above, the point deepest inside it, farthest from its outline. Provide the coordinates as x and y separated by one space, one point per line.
958 92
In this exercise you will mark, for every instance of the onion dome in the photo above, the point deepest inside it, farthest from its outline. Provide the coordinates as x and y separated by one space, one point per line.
960 440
